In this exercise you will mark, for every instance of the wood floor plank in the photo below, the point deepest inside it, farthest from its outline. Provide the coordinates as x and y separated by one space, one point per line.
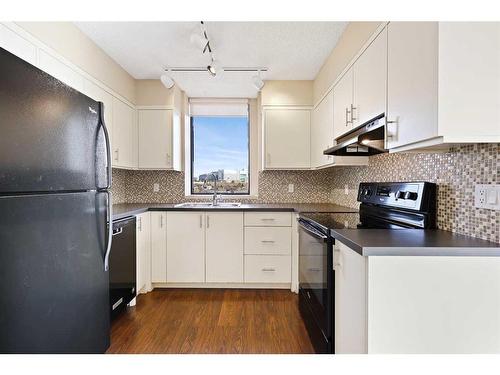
211 321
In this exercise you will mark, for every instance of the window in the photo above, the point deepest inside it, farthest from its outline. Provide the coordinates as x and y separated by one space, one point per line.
220 154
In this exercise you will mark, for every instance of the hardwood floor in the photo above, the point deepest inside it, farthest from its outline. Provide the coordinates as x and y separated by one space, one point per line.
211 321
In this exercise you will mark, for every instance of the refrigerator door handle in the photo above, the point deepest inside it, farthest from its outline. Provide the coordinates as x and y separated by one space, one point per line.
109 216
108 145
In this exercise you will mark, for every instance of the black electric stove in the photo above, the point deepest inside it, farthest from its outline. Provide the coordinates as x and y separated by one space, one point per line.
388 205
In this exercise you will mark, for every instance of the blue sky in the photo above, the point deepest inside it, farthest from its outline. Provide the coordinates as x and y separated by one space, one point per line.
220 143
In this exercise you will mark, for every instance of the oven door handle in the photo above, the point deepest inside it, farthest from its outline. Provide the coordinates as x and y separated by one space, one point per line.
313 232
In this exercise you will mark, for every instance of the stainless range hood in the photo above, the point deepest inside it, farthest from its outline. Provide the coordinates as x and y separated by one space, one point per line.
365 140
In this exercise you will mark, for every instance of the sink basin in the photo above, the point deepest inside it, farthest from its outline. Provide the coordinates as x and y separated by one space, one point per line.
208 205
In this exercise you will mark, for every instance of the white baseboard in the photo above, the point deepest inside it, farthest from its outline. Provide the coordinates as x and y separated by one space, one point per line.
223 285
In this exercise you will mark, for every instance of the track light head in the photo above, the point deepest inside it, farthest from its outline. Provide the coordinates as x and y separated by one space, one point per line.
257 82
215 69
167 80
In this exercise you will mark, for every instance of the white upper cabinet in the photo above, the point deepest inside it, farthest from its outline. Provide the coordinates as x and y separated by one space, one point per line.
412 84
287 138
224 247
469 81
322 132
443 84
159 146
124 153
17 45
342 104
370 74
59 70
99 94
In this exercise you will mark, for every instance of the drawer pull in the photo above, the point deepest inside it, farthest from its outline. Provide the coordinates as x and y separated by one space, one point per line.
268 269
267 219
267 241
314 269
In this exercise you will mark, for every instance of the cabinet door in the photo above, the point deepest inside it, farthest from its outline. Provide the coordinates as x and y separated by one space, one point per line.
155 139
158 247
143 252
322 132
469 80
59 70
17 45
412 82
287 138
224 247
370 81
125 135
342 102
185 247
97 93
350 301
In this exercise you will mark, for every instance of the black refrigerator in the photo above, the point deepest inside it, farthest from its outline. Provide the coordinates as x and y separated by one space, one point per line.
55 176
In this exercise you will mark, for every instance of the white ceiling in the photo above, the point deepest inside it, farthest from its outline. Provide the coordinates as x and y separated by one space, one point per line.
290 50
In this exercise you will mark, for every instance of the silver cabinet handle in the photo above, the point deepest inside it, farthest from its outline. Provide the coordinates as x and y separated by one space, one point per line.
347 116
268 269
352 113
268 157
161 221
314 269
201 221
267 241
391 134
208 221
267 219
117 154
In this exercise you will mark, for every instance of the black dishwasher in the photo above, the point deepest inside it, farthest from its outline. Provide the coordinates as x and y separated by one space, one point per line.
122 264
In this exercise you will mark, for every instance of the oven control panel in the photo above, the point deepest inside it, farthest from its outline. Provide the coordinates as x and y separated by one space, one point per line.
409 195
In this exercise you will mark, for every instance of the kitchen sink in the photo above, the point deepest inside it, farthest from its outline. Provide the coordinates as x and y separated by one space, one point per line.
208 205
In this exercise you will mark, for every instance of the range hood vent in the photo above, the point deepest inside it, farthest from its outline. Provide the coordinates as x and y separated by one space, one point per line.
365 140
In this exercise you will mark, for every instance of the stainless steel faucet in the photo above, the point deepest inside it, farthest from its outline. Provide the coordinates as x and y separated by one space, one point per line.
215 197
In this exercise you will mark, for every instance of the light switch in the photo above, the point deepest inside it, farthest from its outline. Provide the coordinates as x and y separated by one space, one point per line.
156 188
291 188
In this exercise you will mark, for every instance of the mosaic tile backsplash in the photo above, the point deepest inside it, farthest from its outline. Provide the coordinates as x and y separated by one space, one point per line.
455 172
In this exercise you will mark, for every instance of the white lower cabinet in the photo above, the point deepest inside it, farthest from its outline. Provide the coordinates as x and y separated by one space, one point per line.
143 251
267 269
158 247
185 247
224 247
350 300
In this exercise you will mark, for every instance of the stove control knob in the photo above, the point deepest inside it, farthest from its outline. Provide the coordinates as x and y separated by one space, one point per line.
410 195
367 192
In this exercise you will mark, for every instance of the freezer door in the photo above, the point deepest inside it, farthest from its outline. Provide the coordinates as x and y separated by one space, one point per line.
51 138
54 292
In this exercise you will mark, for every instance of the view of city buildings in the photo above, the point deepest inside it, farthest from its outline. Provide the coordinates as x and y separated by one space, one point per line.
228 181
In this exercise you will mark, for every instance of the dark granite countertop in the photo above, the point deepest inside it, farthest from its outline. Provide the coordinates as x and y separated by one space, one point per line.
129 209
414 242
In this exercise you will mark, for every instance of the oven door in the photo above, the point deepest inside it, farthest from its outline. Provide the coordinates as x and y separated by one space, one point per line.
316 276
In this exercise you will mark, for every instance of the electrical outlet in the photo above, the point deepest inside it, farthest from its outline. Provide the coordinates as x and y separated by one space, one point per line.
156 188
346 189
487 196
291 188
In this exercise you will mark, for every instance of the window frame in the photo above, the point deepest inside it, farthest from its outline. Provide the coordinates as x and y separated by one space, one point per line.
191 146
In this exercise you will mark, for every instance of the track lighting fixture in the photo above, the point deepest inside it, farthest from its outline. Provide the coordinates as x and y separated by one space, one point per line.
257 81
167 80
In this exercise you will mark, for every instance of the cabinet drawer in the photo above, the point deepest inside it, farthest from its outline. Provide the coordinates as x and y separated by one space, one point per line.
268 219
268 240
267 268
